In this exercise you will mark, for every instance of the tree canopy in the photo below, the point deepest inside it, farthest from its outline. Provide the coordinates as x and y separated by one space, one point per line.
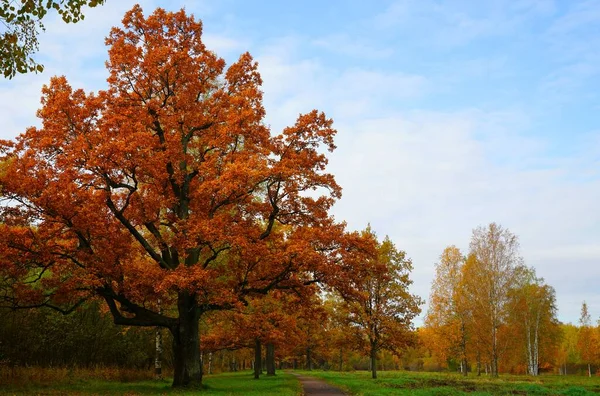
167 185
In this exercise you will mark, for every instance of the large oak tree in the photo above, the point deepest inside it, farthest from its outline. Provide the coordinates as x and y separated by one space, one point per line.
167 185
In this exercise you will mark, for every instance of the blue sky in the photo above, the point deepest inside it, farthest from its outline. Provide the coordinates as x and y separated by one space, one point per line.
451 114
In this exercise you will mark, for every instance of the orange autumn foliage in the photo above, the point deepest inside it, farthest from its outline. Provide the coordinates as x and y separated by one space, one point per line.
167 185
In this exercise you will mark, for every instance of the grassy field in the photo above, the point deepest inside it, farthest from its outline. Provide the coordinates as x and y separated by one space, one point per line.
240 383
413 383
285 384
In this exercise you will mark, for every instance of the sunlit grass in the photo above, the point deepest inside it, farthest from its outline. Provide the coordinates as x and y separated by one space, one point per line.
415 383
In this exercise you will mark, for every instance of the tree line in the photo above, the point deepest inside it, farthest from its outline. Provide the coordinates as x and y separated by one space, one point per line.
489 312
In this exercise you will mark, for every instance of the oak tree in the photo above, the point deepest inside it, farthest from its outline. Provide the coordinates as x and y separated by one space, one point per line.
167 185
380 306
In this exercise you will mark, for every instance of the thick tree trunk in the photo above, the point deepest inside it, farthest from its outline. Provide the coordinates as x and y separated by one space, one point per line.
257 359
589 370
373 361
341 359
270 358
186 344
308 359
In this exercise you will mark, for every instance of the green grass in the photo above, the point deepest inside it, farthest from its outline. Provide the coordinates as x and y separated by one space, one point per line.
414 383
240 383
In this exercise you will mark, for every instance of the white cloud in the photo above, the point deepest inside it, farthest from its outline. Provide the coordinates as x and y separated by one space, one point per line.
344 44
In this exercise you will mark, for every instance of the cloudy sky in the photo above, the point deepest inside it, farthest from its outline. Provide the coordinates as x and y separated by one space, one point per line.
451 114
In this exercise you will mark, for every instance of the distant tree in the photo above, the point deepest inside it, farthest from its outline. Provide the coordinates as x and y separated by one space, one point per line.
586 339
449 315
22 21
379 304
567 352
533 314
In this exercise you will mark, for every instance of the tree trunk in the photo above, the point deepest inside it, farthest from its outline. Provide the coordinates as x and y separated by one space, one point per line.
270 358
341 359
463 347
158 344
159 352
494 363
257 359
589 370
465 365
373 361
536 346
186 344
308 359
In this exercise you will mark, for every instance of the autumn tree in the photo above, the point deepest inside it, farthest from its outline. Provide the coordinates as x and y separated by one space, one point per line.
22 22
168 185
379 303
448 315
263 323
340 339
586 340
494 254
533 314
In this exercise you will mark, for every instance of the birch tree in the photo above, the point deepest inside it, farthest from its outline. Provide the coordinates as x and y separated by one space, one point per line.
448 314
534 314
495 252
585 339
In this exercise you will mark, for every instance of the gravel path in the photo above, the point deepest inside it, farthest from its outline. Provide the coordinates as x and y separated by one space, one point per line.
316 387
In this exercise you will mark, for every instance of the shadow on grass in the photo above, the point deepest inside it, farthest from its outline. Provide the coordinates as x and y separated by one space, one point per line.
221 384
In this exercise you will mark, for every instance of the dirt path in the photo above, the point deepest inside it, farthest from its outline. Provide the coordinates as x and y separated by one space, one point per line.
316 387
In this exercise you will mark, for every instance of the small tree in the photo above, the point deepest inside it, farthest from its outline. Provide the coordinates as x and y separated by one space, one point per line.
448 315
533 314
380 307
586 340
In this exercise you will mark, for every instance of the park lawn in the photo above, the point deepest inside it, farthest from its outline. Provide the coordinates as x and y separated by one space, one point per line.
418 383
240 383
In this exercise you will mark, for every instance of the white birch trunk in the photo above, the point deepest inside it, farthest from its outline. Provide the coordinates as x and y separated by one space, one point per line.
158 344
